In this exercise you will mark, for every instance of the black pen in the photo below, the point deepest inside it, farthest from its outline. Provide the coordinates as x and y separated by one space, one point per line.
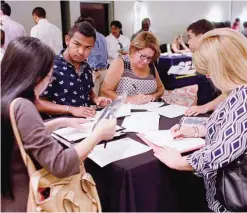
180 122
134 86
105 145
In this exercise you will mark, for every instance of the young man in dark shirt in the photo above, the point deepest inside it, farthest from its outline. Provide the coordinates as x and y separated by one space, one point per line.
70 89
209 96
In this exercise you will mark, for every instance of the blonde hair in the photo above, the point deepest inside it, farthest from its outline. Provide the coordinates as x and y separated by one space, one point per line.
223 55
145 40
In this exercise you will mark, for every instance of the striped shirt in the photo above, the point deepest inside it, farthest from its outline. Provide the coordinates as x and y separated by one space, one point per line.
12 29
226 140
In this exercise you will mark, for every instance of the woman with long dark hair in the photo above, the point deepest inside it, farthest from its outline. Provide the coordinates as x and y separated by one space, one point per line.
26 72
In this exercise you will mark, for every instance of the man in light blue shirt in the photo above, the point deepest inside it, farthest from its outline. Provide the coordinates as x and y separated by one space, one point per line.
98 58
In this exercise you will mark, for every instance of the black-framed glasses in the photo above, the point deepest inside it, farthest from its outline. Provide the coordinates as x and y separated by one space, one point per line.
144 57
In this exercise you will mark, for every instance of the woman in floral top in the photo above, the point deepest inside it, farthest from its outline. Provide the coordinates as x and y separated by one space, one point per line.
223 55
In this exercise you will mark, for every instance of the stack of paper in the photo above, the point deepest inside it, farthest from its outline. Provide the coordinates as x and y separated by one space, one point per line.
148 106
124 110
171 111
176 70
192 121
175 54
164 138
72 134
141 121
117 150
163 54
187 54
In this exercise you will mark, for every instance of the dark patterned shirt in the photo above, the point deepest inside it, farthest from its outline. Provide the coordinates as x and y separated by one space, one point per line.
69 87
226 140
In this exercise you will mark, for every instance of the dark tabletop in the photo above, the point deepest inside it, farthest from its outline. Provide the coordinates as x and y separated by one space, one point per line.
143 183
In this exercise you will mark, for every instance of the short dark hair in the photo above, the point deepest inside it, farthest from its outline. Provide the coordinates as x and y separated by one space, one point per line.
228 24
88 19
146 19
6 8
2 37
40 12
84 28
245 24
222 24
201 27
237 20
116 24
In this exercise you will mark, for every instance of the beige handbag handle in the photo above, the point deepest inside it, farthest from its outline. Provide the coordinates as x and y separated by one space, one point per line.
27 160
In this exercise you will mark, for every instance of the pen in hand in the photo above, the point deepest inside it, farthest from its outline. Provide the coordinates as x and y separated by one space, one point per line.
180 125
180 122
134 86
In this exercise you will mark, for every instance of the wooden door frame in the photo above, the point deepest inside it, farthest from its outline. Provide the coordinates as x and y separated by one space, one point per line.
110 7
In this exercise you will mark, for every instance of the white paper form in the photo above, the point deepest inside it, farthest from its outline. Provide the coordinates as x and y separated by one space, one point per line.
171 111
148 106
117 150
72 134
164 138
141 121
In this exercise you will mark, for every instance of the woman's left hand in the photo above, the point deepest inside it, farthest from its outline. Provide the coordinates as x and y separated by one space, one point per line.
169 156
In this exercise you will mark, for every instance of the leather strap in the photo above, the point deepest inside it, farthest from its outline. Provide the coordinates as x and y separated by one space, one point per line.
27 160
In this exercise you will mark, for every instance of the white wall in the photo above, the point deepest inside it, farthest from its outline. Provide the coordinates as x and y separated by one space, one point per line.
22 12
170 18
74 11
123 12
239 10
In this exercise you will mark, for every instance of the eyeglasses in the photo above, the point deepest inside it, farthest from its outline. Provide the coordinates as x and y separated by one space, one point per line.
144 57
51 78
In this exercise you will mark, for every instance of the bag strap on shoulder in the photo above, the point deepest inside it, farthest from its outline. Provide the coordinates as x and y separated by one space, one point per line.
27 160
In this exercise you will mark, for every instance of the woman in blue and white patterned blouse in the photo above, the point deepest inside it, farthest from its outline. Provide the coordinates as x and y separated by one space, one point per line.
223 55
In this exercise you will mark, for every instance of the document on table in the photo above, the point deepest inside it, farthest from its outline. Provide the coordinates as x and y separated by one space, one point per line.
164 138
72 134
183 68
171 111
148 106
124 110
141 121
117 150
192 121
